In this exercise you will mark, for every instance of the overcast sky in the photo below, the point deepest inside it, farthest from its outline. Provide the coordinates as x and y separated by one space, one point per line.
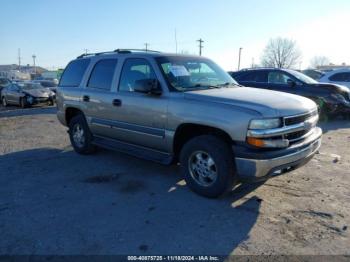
58 31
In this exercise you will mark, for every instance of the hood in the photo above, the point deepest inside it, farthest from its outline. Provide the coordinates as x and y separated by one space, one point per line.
42 92
267 103
332 87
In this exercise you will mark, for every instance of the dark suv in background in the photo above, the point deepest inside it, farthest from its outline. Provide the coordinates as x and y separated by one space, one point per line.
331 98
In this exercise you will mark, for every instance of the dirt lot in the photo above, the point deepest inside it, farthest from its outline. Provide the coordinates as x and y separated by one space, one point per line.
53 201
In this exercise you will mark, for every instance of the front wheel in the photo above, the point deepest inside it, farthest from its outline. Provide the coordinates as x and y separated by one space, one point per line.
207 166
80 135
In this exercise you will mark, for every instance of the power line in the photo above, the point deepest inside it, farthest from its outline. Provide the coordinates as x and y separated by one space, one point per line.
200 45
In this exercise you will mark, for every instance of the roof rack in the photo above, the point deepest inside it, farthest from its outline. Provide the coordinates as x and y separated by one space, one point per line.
258 67
119 51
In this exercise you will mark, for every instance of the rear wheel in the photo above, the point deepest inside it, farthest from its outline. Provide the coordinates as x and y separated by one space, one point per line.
207 166
80 135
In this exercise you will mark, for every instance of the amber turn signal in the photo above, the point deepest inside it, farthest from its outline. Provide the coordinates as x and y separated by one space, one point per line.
255 142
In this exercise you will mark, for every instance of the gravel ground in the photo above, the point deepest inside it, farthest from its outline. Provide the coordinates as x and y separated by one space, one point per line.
53 201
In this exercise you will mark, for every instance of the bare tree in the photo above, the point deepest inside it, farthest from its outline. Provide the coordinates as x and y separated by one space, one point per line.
281 53
318 61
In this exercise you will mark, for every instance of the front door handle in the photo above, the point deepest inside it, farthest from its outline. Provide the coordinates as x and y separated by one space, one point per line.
86 98
117 102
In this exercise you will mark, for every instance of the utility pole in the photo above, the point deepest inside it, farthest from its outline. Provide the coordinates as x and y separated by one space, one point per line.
175 42
86 51
239 57
200 45
146 46
252 62
34 57
19 58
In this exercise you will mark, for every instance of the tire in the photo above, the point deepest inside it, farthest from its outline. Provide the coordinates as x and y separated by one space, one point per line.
217 158
23 102
4 102
80 135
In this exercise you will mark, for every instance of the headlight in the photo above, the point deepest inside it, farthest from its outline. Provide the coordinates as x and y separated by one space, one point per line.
265 123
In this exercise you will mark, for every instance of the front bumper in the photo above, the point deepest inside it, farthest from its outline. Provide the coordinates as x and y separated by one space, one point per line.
41 100
264 164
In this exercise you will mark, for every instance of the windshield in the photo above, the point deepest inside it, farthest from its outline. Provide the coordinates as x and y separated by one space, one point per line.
189 73
302 77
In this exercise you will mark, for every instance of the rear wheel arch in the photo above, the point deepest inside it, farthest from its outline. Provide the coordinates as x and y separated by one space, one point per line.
71 112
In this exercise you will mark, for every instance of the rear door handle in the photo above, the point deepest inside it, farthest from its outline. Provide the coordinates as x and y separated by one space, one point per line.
117 102
86 98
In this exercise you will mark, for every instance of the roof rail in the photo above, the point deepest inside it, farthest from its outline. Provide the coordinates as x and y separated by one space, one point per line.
259 67
130 50
119 51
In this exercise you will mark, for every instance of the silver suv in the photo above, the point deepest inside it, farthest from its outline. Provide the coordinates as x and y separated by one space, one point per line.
173 108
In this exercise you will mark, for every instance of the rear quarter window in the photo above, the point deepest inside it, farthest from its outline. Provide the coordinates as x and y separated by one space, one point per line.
74 72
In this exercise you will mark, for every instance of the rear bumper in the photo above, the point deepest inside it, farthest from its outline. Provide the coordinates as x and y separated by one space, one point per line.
263 164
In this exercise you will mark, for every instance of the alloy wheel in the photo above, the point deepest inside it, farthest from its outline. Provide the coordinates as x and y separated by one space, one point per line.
202 168
78 135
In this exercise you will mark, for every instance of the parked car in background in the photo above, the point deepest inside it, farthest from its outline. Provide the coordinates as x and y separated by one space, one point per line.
51 84
337 76
313 73
4 82
173 108
332 99
26 94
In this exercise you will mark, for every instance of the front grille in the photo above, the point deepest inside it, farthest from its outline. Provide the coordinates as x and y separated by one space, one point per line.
41 99
295 136
292 120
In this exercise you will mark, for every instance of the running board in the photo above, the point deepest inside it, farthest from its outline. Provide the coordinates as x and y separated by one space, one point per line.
134 150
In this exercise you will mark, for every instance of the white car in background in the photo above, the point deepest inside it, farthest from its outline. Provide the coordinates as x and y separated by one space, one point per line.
338 76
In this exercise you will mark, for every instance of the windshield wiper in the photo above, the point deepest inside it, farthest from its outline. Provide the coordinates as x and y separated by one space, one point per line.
201 85
227 84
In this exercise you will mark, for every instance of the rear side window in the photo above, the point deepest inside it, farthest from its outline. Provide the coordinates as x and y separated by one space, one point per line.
102 74
74 72
340 77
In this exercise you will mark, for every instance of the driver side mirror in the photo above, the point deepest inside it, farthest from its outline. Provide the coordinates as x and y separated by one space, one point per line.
148 86
291 83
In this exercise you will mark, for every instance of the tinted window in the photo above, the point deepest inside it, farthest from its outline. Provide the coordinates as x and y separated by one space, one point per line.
133 70
102 74
341 77
258 76
74 72
278 78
